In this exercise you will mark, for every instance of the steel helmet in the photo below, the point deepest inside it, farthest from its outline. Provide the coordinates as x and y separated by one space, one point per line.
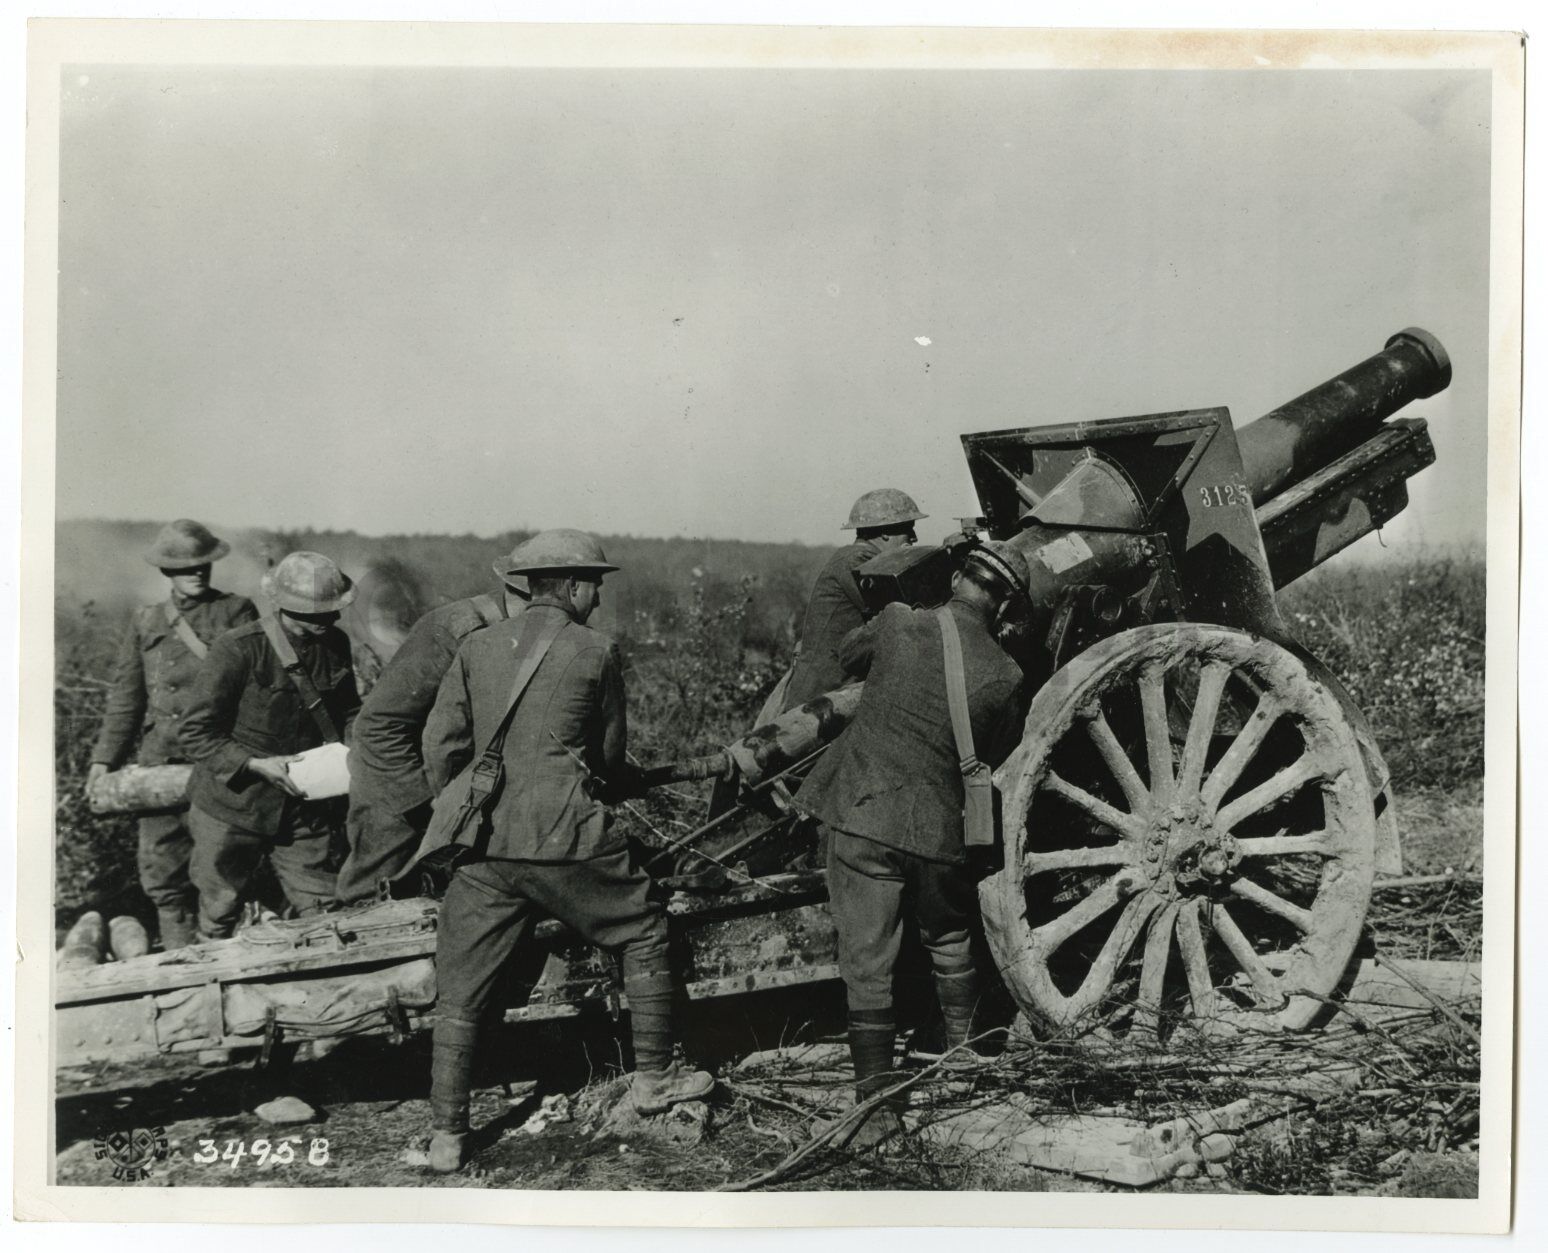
516 582
560 551
185 544
886 506
307 582
1007 564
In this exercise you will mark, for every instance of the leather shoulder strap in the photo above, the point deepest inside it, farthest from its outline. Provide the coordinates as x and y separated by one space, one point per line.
488 768
536 647
956 689
185 632
977 782
310 696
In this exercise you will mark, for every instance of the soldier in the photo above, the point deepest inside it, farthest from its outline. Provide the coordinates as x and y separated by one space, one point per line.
541 699
152 682
881 519
891 793
268 692
389 795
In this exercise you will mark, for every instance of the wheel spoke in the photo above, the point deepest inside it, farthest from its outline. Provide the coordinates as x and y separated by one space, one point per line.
1158 733
1241 949
1201 726
1272 902
1101 733
1051 935
1268 792
1158 951
1246 744
1116 820
1076 859
1285 845
1114 949
1190 943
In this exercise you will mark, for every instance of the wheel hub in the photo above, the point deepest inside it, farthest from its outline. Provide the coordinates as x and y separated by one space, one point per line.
1183 852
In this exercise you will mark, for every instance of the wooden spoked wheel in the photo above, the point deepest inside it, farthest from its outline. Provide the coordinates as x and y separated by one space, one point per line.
1189 839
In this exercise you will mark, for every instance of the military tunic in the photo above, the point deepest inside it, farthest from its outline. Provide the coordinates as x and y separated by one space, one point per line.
245 705
153 681
550 847
890 790
154 675
570 725
389 793
833 610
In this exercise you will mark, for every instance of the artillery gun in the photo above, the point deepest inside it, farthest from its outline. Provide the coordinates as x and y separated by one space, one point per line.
1191 824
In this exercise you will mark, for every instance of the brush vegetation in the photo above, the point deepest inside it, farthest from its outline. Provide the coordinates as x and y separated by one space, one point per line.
706 629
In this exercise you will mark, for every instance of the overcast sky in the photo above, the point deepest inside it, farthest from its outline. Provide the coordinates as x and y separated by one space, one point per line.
696 302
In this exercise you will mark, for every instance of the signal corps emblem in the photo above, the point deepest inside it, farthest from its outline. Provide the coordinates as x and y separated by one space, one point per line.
132 1152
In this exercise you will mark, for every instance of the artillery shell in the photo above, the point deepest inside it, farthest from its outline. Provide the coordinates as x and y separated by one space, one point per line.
83 945
141 790
127 938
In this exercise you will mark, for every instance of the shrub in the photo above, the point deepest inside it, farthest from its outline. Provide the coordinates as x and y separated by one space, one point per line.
93 857
1408 641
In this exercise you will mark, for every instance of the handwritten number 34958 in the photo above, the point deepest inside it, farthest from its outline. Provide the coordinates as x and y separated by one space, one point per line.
263 1152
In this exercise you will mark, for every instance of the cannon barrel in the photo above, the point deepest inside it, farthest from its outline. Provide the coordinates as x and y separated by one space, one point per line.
1296 440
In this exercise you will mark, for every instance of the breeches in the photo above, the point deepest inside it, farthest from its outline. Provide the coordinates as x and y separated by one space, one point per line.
381 842
225 857
161 856
871 888
491 906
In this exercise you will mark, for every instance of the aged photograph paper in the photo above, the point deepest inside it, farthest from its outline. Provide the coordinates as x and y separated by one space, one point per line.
787 626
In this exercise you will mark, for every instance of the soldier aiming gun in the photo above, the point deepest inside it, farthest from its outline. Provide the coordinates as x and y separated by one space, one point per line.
880 519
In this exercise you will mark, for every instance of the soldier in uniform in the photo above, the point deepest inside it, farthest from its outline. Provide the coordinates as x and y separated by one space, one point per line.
881 519
389 795
890 792
251 715
152 683
545 841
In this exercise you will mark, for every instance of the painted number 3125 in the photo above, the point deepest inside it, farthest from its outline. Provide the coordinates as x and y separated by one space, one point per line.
1225 494
263 1152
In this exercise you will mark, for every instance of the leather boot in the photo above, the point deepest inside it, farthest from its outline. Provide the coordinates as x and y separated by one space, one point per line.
451 1081
448 1151
656 1091
660 1082
872 1034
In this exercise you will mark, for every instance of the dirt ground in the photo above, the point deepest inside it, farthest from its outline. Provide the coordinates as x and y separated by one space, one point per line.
540 1109
372 1115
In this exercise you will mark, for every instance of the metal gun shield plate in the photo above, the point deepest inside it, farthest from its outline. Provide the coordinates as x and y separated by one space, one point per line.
1186 471
1189 838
